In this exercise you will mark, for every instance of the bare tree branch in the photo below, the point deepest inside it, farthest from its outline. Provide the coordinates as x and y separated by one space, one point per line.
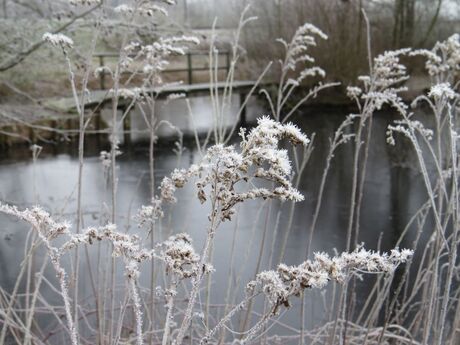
18 58
432 25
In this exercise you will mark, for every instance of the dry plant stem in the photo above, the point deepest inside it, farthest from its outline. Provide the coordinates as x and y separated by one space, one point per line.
245 102
13 322
440 240
152 195
404 280
212 93
14 293
232 263
113 165
80 110
354 186
226 318
259 262
427 181
137 311
120 320
366 111
311 93
339 139
195 288
377 306
196 282
31 307
275 235
169 312
228 88
453 252
332 335
305 158
195 132
207 313
80 103
362 180
433 302
60 272
231 299
253 331
247 253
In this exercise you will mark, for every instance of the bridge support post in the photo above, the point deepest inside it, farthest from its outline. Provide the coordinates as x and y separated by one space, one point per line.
189 68
102 75
243 121
127 129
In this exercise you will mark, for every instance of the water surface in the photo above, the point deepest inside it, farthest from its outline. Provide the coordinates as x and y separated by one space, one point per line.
393 191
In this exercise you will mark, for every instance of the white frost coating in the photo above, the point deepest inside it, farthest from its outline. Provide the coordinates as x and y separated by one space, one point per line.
85 2
287 281
260 158
441 90
58 40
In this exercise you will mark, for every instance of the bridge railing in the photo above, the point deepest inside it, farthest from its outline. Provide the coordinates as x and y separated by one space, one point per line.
189 69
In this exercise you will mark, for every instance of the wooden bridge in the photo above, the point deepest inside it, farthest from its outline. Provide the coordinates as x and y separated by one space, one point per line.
52 117
190 64
101 97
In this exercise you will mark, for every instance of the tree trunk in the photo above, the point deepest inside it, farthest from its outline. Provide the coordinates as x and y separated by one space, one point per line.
5 11
404 22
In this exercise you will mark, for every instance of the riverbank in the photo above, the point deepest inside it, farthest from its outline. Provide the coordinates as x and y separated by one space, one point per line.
51 120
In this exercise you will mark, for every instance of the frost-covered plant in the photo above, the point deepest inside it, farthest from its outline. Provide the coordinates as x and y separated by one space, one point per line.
154 58
288 281
177 253
381 87
281 285
129 249
443 61
226 177
297 52
224 168
442 65
85 2
147 215
144 8
180 257
48 230
383 84
59 40
296 66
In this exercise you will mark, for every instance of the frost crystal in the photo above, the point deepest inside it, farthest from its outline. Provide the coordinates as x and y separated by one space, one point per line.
441 90
58 40
149 214
180 257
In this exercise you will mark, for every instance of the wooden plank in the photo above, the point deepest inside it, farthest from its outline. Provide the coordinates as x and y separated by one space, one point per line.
98 97
191 52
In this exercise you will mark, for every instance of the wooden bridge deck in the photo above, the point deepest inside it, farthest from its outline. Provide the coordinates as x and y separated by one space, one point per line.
98 98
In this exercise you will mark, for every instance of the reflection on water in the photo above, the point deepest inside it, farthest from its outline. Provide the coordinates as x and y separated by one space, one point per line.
392 194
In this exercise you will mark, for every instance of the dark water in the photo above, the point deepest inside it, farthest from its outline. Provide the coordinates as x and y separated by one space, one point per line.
393 192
